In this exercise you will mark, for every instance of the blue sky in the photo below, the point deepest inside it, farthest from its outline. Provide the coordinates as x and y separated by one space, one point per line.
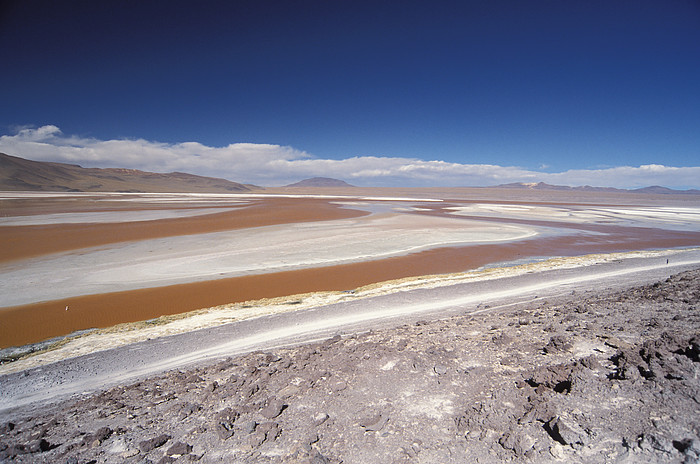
376 93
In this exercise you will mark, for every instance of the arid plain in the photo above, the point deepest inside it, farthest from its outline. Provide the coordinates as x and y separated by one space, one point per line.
74 261
329 326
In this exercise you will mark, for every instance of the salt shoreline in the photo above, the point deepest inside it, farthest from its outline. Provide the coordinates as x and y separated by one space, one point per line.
286 244
96 340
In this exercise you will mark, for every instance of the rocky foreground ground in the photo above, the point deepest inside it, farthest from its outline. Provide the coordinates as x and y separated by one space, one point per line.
605 377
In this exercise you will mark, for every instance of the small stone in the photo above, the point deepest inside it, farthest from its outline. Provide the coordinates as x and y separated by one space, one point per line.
440 369
129 453
558 343
273 409
249 427
649 442
590 362
178 449
103 433
566 432
271 430
320 418
513 441
95 439
256 439
7 428
375 423
288 391
557 451
39 446
318 458
156 442
224 423
502 339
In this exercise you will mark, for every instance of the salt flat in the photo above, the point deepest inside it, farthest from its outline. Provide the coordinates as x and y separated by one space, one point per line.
572 272
106 216
191 258
674 218
98 253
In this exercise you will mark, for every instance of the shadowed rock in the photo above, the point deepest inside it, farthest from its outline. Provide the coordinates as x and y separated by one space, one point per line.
156 442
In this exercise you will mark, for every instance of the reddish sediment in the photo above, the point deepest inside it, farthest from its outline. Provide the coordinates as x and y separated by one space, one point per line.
30 323
35 322
21 242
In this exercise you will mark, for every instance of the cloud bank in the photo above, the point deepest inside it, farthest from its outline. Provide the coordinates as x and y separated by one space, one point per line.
274 165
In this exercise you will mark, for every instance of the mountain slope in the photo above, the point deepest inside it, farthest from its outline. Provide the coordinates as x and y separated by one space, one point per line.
587 188
321 182
22 174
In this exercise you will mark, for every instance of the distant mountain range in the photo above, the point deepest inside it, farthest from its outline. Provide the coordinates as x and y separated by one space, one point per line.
22 174
587 188
320 182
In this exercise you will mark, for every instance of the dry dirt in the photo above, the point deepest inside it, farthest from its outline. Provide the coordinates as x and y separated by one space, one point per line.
592 377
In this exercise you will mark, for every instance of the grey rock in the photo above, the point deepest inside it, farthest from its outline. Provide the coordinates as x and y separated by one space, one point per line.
557 344
7 428
271 430
440 369
317 458
273 409
103 433
256 439
567 432
650 442
502 339
96 438
320 419
513 441
129 453
179 449
249 427
288 391
374 423
156 442
223 424
39 446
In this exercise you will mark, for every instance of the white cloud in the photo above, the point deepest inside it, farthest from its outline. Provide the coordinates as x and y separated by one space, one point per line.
630 176
270 165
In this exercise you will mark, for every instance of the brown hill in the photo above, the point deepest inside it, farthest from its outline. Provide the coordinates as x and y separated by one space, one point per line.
321 182
22 174
587 188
